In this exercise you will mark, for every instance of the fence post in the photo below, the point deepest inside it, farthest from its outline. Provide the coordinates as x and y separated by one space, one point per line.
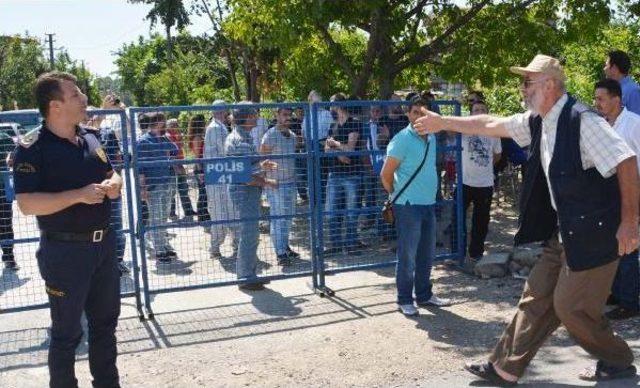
460 235
126 168
311 173
139 226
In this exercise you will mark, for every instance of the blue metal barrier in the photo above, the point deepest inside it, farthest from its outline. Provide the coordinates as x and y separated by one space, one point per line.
311 221
24 290
196 268
375 253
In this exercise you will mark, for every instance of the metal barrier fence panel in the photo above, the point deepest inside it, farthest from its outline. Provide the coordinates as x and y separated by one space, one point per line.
243 214
24 289
351 232
186 208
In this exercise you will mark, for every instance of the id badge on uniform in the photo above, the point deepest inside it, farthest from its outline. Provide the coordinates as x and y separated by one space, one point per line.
224 172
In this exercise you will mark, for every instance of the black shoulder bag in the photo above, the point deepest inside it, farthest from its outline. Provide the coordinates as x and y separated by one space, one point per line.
387 208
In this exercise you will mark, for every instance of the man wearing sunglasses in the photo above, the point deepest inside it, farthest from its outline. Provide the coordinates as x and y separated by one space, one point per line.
580 196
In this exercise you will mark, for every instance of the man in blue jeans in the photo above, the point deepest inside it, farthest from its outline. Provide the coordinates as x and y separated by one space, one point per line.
344 181
280 140
246 196
155 180
414 211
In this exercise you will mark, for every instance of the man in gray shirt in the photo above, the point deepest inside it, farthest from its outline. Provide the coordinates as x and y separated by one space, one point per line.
280 140
246 196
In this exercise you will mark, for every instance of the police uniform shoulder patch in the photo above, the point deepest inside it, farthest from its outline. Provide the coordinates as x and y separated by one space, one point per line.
29 138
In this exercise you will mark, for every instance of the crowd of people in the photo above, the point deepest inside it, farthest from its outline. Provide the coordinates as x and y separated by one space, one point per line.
580 198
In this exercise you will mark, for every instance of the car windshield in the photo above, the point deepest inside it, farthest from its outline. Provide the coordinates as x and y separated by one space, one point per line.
9 130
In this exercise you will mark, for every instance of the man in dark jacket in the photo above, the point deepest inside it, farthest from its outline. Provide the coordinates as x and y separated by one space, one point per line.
580 196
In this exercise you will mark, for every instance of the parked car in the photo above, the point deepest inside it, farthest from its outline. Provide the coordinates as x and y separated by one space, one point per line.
27 118
14 130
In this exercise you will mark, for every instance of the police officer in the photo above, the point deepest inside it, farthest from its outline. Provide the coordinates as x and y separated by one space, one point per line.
63 177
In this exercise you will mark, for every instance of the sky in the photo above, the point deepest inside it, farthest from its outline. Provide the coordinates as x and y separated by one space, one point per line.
90 30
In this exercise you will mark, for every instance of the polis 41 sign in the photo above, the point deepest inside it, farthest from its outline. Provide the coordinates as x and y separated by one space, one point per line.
227 171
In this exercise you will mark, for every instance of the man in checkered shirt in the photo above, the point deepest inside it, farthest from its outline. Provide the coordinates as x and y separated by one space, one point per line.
580 196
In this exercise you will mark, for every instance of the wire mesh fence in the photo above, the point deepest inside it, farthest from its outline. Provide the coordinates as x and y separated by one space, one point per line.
21 286
351 232
244 212
242 194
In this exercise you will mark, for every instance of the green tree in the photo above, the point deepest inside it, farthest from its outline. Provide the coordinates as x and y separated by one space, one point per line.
170 13
21 61
198 75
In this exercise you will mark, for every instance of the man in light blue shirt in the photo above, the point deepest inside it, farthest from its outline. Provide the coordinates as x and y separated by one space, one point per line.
617 67
414 211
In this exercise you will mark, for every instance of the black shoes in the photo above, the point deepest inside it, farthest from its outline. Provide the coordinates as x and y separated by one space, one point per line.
620 313
487 372
257 286
11 265
603 372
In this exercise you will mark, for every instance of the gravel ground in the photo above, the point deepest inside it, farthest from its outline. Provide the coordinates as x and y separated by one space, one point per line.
288 336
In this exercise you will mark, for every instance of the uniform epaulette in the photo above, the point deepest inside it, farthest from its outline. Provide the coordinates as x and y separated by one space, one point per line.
29 138
89 129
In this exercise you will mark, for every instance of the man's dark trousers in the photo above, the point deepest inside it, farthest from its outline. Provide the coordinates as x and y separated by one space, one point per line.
626 285
82 276
481 199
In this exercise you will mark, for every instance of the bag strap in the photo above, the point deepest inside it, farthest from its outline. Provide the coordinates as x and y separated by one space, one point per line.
415 173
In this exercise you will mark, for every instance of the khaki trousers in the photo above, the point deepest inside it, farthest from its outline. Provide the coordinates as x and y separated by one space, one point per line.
555 295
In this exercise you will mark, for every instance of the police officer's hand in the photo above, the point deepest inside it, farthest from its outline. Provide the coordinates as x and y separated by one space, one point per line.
113 188
92 194
627 236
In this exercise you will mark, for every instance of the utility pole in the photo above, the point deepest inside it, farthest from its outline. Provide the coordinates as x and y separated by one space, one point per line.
51 58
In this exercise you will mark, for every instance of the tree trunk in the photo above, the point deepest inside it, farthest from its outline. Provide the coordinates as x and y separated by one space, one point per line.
232 73
387 81
169 46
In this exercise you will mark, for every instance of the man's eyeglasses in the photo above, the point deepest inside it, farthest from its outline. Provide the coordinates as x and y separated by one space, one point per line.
528 82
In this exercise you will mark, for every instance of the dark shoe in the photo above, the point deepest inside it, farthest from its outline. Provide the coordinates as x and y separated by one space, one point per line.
487 372
292 254
284 259
257 286
612 301
603 372
171 254
620 313
11 265
162 258
123 268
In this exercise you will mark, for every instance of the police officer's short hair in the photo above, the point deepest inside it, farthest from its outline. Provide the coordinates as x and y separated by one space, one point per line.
48 88
612 86
621 60
242 113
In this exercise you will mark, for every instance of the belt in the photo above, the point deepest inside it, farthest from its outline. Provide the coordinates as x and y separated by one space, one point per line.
95 236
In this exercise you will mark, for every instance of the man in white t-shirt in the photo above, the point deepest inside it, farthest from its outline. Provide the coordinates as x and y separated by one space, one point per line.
479 154
626 285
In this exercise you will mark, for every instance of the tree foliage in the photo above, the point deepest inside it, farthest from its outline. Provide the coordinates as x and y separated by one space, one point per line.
21 61
197 75
280 49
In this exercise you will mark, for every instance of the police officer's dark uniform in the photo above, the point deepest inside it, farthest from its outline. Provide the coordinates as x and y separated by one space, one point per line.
76 257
